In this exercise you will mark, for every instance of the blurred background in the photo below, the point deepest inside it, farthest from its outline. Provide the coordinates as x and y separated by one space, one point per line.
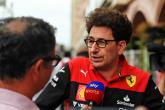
147 16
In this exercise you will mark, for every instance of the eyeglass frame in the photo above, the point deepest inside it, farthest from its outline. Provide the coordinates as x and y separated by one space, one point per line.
47 59
105 41
50 58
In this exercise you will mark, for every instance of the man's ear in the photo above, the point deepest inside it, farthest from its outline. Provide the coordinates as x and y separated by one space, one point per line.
121 47
37 69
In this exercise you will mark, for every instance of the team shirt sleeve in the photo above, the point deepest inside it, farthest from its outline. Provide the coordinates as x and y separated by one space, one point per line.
56 91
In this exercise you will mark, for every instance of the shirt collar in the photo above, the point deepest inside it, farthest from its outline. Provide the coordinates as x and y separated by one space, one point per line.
16 99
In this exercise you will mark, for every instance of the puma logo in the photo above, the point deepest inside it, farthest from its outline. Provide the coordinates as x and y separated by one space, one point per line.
84 73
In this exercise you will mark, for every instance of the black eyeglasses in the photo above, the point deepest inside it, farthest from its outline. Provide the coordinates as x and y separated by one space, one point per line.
100 42
55 59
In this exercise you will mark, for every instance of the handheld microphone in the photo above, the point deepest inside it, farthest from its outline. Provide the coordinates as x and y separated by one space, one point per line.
94 93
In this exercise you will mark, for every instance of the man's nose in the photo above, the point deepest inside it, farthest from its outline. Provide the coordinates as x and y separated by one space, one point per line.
94 47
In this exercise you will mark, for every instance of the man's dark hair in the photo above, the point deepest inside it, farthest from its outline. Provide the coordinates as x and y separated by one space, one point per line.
23 40
113 19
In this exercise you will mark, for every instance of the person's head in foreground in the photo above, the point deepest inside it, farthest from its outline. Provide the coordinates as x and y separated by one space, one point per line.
27 54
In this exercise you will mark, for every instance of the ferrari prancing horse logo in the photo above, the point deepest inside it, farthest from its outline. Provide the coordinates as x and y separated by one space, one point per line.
131 80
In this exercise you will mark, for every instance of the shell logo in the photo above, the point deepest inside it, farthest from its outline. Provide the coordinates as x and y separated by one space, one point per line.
80 93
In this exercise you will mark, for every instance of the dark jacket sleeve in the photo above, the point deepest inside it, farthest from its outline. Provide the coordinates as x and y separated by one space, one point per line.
152 97
56 91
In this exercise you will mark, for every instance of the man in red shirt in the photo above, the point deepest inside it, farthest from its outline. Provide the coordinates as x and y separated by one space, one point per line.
125 86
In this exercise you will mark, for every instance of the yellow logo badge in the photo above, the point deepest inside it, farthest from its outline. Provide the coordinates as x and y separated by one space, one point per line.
131 80
80 93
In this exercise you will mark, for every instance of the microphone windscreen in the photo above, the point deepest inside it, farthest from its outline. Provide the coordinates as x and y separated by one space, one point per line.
94 92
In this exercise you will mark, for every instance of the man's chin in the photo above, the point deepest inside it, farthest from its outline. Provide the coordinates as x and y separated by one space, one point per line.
97 64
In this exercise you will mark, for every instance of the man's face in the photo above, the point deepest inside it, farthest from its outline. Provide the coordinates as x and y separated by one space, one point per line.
103 57
46 71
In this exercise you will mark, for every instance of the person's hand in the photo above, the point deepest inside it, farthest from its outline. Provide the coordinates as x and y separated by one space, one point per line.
86 107
141 108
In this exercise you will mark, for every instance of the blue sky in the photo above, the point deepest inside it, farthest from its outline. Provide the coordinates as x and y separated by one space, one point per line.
56 12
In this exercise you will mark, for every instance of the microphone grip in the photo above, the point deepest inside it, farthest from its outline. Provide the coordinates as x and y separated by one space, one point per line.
92 106
90 103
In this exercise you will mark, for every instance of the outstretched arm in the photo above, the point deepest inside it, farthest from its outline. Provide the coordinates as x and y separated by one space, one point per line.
56 91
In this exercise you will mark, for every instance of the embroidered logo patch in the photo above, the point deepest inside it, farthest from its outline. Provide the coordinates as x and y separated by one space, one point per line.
80 93
83 72
126 102
131 80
